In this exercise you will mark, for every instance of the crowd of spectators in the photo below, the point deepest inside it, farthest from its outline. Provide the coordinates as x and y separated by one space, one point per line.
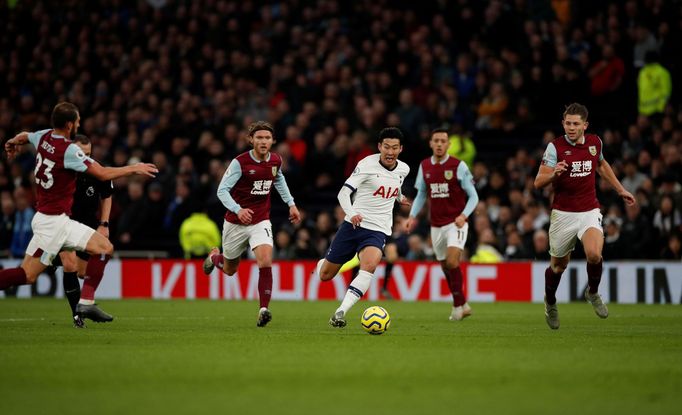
176 83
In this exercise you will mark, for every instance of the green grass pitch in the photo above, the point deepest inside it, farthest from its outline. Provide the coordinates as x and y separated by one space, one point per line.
168 357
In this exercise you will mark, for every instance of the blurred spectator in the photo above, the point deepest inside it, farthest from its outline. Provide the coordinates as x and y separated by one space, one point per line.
667 218
486 251
673 249
515 249
654 86
198 235
462 147
21 231
7 214
541 245
613 245
284 249
633 179
415 251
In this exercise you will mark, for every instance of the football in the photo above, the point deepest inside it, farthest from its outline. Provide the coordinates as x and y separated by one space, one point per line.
375 320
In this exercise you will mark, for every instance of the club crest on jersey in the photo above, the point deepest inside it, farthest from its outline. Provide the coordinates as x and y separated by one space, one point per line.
593 150
448 174
274 171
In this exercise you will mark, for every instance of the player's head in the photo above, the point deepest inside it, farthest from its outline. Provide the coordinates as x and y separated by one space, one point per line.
575 121
261 137
439 141
83 141
390 145
65 116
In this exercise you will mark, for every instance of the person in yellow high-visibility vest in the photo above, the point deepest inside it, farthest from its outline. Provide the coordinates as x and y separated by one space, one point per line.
198 235
654 86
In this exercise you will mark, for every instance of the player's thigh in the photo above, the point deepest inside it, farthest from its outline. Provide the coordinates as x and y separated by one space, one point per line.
69 261
344 246
591 234
33 267
260 234
263 253
446 237
453 257
391 252
78 237
235 239
370 256
97 244
593 243
49 236
370 249
563 233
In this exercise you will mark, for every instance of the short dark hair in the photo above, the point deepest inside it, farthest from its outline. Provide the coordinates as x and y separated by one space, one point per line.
576 109
391 132
438 130
62 113
260 125
82 139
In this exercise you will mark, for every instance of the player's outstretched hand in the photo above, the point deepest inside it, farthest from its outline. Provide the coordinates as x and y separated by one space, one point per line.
146 169
355 220
560 167
405 201
10 149
294 215
245 216
410 223
460 220
628 197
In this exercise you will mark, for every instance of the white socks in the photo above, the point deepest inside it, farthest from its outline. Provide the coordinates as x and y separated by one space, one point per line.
357 289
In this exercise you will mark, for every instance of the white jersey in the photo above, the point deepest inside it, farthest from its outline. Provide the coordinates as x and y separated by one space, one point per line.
376 190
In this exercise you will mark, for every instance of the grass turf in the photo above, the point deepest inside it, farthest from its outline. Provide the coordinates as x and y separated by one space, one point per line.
166 357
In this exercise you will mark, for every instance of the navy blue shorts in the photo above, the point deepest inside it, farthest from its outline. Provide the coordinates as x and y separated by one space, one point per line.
349 241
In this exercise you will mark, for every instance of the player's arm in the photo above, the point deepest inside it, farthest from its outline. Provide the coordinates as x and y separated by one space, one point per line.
418 202
75 159
466 181
550 169
604 169
230 178
13 144
285 194
110 173
106 189
346 193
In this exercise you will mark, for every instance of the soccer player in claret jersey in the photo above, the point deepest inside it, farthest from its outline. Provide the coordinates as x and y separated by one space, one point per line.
58 160
449 186
367 197
245 192
569 164
92 196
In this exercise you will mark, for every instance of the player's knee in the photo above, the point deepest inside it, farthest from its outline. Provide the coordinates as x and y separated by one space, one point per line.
230 271
558 268
326 275
108 248
593 257
452 263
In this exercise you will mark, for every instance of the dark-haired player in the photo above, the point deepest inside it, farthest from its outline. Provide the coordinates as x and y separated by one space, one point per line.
58 160
367 197
449 186
569 164
245 191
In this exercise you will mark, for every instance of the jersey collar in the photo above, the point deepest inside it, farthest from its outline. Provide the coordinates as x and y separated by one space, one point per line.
433 159
267 158
576 143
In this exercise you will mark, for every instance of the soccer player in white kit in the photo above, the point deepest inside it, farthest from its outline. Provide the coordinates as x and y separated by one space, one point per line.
367 197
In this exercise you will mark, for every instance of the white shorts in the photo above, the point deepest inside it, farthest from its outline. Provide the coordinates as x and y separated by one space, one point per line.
447 236
565 228
237 237
52 233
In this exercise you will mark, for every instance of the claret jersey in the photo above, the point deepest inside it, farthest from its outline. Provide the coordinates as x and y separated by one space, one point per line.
57 161
575 189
